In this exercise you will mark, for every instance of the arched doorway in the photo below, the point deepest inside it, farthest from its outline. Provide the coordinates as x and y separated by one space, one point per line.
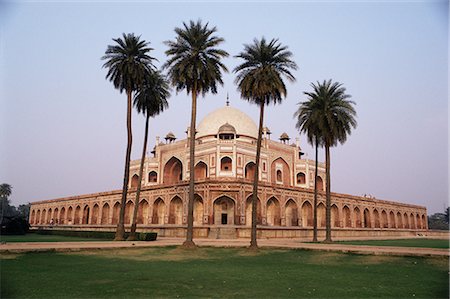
198 210
347 217
376 217
424 222
176 211
319 183
248 211
301 178
411 221
70 215
405 220
44 216
418 222
223 211
384 219
357 216
152 177
321 217
392 220
143 212
291 213
159 211
307 214
33 217
250 171
116 212
62 216
367 218
38 217
95 211
335 220
134 181
399 220
85 219
105 214
273 212
201 171
49 216
56 215
76 218
173 171
129 208
226 164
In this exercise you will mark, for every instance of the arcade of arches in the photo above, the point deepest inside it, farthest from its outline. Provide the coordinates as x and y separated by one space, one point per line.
228 209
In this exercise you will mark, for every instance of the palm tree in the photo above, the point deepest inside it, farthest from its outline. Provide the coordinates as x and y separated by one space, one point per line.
334 119
307 118
5 192
151 99
259 79
194 65
128 63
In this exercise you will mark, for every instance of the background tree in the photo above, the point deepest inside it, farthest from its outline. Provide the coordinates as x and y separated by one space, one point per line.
13 221
259 80
150 100
128 63
194 65
308 116
335 119
5 192
439 220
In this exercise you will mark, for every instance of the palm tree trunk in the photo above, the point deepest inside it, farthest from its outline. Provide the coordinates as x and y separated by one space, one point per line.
328 201
315 193
132 235
120 232
190 217
253 242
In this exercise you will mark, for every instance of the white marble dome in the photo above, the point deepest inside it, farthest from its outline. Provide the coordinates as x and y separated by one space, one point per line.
242 123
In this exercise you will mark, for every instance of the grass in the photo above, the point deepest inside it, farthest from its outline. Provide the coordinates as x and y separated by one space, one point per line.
429 243
45 238
220 273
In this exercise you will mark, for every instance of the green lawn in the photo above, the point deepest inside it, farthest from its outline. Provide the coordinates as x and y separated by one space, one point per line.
46 238
220 273
430 243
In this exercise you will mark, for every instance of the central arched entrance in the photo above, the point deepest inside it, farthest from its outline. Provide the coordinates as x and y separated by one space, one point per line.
224 211
173 171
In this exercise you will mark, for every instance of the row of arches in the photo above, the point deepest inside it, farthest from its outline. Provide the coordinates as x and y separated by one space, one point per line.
224 211
173 172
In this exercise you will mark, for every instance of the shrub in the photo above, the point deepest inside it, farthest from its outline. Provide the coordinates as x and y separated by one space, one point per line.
14 226
94 234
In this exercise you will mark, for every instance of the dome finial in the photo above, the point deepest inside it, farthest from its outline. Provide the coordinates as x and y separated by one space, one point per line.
228 100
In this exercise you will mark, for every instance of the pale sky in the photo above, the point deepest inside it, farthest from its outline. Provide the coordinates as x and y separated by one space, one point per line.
62 125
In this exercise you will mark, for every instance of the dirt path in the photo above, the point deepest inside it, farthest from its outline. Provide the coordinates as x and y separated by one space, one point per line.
273 243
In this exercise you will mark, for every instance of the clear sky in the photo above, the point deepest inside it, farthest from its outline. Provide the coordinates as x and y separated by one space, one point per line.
62 125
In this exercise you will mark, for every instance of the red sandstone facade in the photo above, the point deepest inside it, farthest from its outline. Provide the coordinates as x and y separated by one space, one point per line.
225 154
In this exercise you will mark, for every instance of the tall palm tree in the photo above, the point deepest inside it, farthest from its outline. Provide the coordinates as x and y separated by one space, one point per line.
335 119
151 99
307 122
128 63
194 65
259 79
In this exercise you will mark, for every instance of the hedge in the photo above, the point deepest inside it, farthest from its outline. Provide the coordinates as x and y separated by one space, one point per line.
151 236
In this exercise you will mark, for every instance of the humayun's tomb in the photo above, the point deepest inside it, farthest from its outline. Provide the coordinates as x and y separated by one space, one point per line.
224 168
